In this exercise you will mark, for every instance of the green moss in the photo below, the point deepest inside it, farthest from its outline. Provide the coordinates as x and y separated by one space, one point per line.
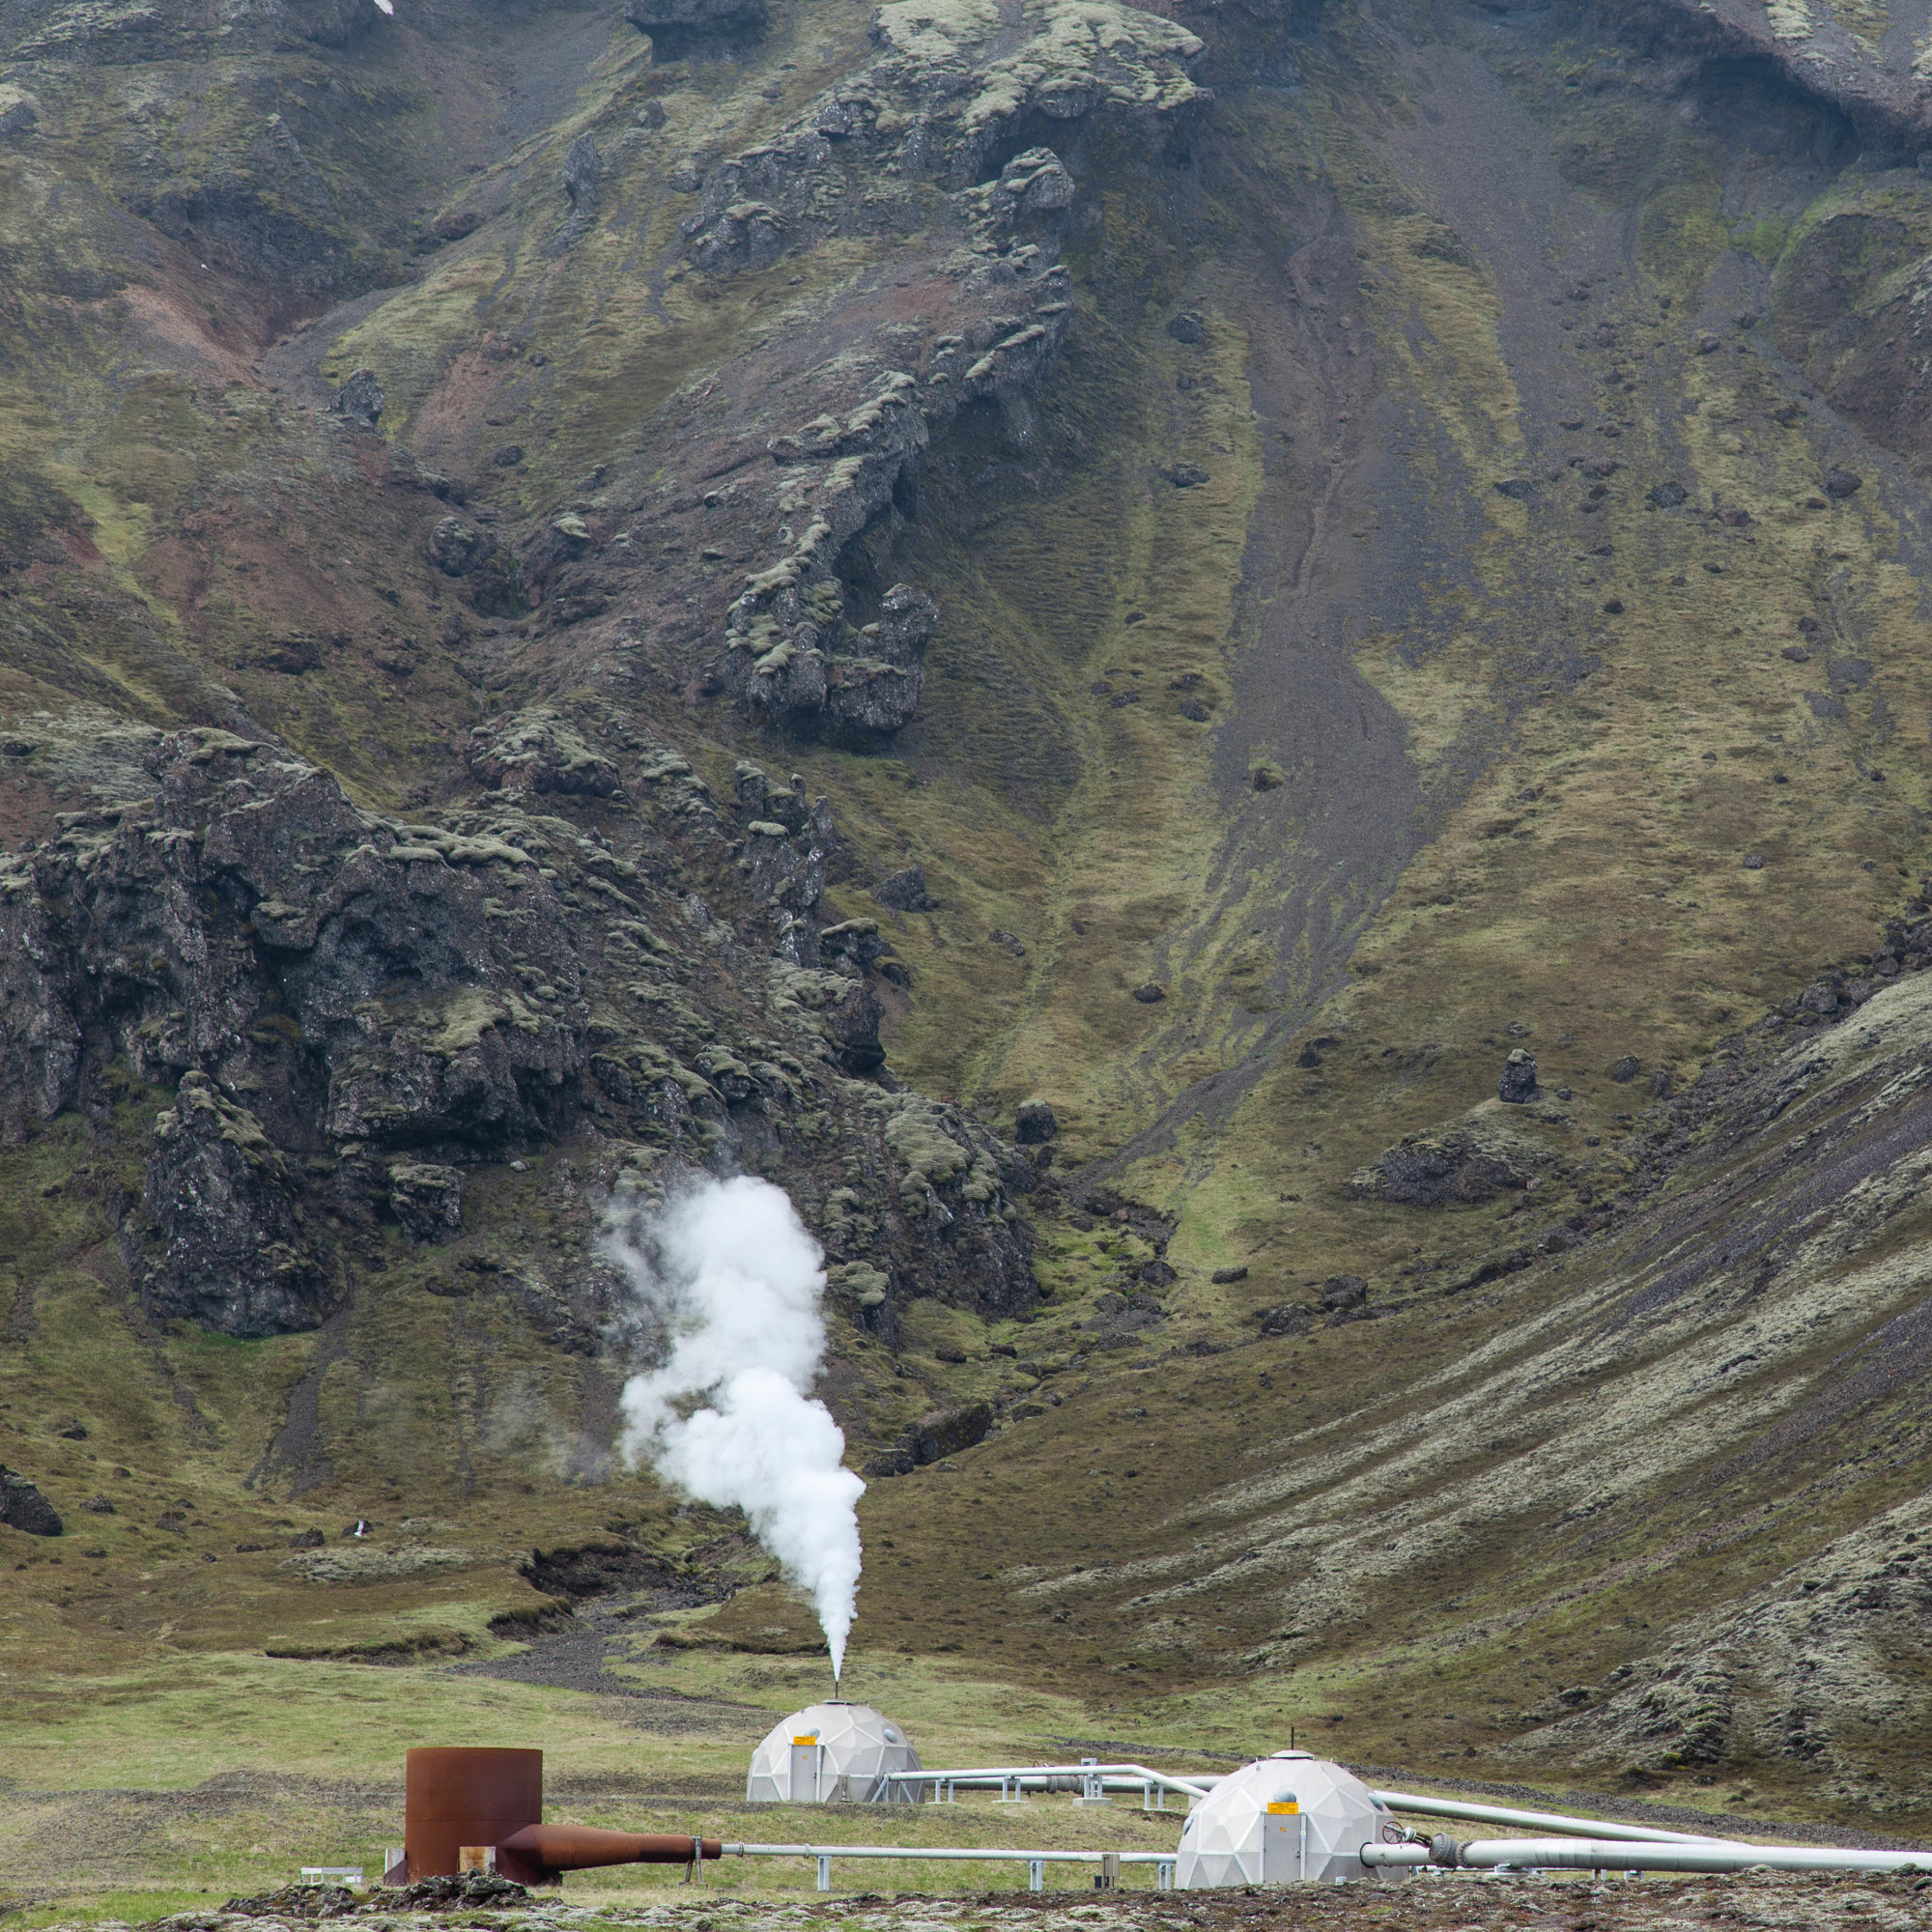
1764 239
1682 236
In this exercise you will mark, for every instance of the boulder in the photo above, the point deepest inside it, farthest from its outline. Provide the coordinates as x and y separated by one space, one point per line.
1035 183
1624 1070
944 1432
1518 1084
466 1892
302 1902
906 890
1288 1320
1341 1292
19 111
1460 1167
934 1436
23 1506
1036 1124
1842 483
457 547
1120 1324
359 400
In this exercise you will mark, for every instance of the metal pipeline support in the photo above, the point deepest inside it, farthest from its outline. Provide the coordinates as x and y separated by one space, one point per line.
1040 1776
1540 1821
1710 1855
1036 1862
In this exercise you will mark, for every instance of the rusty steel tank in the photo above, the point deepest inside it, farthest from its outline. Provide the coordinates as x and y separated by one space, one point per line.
457 1797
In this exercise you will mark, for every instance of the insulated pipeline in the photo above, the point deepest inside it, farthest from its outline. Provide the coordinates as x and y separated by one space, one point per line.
1712 1855
1595 1854
1399 1857
1540 1821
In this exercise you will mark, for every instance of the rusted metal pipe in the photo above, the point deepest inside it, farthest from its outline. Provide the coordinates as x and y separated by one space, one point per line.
581 1847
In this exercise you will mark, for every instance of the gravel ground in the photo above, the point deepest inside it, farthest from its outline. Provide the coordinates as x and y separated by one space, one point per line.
1461 1904
579 1660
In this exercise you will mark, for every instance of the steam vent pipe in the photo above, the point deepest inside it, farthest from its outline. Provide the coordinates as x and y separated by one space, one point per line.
455 1798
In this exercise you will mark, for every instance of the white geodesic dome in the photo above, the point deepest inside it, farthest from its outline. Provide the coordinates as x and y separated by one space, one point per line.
1292 1816
827 1753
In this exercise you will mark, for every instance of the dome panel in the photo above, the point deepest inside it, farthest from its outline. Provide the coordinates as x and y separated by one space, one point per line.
827 1753
1284 1819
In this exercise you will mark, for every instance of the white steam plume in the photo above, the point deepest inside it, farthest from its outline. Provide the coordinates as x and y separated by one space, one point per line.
736 1280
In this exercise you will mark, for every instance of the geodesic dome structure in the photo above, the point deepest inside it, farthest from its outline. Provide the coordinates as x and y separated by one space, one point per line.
1287 1818
830 1754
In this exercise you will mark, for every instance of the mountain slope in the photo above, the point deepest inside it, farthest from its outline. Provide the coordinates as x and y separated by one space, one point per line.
1343 543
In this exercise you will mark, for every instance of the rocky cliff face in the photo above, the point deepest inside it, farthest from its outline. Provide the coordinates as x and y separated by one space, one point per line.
1227 678
350 1011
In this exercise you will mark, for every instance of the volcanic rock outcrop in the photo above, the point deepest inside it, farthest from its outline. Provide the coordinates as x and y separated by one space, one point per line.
350 1010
